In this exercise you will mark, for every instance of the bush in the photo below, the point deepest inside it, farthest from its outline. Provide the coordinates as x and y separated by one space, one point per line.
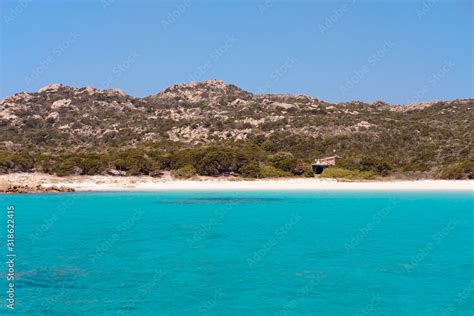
216 162
65 168
340 173
284 161
5 161
24 162
269 146
185 172
459 171
250 170
374 165
91 165
267 171
122 164
308 172
135 162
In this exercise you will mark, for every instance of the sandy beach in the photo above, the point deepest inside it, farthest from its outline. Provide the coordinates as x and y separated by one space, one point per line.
111 183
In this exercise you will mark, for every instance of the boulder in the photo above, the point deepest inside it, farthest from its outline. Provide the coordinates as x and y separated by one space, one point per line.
114 172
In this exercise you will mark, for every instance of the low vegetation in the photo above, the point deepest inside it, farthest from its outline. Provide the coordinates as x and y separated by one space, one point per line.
243 158
341 173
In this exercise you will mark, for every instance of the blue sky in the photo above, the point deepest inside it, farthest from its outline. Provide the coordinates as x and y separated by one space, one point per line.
396 51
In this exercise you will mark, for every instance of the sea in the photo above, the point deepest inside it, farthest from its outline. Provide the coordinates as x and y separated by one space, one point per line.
238 253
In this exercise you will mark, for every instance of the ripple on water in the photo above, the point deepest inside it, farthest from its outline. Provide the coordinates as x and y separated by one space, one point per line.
221 200
62 276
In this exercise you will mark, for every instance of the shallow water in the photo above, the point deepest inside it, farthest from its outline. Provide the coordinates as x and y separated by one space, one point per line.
243 253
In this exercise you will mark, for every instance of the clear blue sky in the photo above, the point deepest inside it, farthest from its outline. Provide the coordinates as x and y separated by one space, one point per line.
396 51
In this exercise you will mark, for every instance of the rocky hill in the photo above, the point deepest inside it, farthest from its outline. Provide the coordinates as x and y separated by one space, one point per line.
426 139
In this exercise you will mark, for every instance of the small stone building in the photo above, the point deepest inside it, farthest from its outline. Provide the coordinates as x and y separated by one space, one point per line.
322 163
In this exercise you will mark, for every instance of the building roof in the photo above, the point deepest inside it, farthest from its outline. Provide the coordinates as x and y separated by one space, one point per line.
330 157
326 160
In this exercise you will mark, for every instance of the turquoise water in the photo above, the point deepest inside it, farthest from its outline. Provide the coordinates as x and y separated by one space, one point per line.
243 253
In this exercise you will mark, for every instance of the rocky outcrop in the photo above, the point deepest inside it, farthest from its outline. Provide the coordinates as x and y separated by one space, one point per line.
213 92
117 173
35 189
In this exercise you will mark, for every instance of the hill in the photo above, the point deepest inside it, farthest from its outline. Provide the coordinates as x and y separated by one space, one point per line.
214 128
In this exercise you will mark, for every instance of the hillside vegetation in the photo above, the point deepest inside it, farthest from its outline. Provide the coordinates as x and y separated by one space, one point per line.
212 128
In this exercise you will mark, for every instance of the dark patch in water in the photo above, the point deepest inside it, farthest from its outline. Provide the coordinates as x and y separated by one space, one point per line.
58 277
215 236
127 308
222 200
134 241
466 266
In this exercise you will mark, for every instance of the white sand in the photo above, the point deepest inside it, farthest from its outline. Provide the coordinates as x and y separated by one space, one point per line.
110 183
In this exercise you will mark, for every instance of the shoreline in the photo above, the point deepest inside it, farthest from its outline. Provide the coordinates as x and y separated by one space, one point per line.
167 183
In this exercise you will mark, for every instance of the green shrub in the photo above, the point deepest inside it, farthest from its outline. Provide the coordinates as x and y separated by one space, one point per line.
377 166
216 162
23 161
91 165
459 171
269 146
5 161
268 171
184 172
340 173
65 168
308 172
284 161
46 164
250 170
135 162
